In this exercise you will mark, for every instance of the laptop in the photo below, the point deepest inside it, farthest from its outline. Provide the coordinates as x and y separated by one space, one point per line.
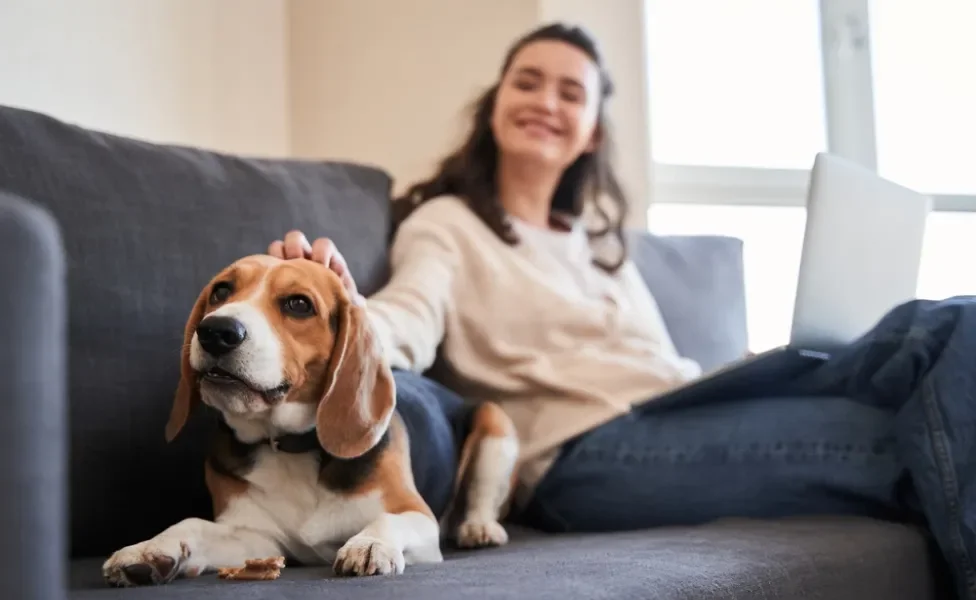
861 254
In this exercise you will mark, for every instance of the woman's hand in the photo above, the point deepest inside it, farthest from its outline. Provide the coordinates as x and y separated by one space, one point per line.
295 245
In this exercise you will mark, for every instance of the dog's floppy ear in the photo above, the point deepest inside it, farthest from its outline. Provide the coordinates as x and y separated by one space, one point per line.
187 393
360 394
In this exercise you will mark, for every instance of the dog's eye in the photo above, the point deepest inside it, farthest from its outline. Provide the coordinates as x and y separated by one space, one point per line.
221 292
298 306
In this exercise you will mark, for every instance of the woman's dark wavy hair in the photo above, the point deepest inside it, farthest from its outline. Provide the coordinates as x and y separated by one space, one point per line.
469 172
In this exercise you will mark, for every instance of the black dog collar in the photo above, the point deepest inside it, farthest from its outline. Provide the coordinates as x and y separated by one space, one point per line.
290 443
293 443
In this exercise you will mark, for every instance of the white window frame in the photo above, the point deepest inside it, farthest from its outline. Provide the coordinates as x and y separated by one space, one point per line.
850 123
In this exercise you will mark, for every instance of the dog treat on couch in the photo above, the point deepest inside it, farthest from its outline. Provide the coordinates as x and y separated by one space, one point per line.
258 569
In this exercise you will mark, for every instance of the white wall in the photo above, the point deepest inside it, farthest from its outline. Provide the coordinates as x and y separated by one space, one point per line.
378 81
186 71
392 90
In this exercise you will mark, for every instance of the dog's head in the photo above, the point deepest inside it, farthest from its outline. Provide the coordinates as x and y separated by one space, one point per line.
279 347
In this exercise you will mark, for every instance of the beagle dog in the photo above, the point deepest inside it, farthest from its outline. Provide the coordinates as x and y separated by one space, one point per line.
313 458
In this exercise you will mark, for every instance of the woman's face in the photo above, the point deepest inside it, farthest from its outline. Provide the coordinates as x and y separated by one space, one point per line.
547 105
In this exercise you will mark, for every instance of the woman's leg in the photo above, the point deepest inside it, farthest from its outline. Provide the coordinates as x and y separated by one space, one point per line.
901 400
920 363
753 458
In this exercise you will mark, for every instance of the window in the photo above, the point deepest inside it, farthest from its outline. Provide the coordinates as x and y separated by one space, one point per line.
743 99
720 97
925 93
772 237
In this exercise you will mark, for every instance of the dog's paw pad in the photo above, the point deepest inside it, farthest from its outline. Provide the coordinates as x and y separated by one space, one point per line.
368 556
148 563
474 533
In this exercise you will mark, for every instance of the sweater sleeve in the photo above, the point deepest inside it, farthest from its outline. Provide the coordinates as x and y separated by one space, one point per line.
408 314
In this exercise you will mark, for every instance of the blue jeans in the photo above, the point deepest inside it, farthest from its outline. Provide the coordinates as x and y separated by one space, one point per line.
884 428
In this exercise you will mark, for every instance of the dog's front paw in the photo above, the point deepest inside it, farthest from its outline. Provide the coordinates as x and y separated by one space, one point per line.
151 562
477 533
368 556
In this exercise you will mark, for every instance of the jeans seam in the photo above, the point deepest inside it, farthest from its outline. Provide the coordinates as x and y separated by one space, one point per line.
765 452
950 485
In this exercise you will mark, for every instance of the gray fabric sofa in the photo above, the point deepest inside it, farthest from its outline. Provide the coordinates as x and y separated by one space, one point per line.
104 245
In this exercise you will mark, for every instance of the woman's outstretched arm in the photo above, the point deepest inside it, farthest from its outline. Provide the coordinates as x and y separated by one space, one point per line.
409 312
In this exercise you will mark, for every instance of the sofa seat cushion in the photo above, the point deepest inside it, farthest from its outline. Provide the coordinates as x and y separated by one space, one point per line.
792 559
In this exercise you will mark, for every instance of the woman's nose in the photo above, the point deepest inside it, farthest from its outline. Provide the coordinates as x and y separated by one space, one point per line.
546 98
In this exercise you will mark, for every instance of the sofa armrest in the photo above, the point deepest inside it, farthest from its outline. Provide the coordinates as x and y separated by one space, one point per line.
33 430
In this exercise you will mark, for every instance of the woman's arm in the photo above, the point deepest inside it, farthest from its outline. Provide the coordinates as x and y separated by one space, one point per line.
409 312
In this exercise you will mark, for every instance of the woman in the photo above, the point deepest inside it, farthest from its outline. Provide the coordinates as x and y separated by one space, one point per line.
492 266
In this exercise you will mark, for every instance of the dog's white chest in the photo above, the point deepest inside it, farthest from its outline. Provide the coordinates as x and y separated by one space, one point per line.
309 520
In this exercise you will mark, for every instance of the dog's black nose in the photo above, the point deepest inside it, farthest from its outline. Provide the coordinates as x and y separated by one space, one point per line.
220 335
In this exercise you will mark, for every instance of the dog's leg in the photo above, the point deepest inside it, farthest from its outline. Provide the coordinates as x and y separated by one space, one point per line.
390 542
188 548
406 532
492 452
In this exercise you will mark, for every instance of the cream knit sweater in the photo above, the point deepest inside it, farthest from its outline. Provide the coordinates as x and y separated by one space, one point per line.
536 327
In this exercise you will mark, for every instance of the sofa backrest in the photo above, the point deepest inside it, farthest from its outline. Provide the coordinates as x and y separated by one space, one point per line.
145 226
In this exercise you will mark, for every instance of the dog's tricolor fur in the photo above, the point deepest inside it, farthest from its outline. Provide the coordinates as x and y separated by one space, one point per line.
293 362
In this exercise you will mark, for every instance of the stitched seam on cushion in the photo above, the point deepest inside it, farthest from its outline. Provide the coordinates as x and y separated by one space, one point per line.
950 485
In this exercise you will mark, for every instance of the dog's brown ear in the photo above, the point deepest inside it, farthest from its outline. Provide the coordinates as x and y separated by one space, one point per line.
360 394
187 393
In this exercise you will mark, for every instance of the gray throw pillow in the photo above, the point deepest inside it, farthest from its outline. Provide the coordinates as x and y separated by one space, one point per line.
698 282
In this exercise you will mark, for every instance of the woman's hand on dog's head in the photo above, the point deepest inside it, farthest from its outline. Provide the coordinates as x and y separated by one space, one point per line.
323 250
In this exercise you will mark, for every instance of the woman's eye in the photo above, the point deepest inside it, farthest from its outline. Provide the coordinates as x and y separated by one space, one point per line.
221 292
572 96
299 306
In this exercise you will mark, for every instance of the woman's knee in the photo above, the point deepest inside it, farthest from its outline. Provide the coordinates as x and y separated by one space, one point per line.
928 318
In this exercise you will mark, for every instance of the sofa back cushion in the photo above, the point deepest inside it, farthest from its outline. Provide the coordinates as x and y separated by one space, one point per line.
145 227
699 285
